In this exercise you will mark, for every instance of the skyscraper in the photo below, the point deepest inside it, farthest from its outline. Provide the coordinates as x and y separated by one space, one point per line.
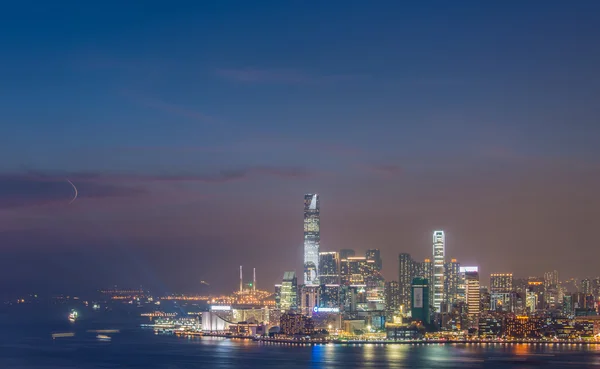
288 292
392 297
451 282
312 239
419 306
346 253
439 242
329 267
375 255
501 286
405 277
472 290
427 273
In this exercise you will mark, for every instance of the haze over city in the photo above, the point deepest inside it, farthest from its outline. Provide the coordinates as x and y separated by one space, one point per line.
192 133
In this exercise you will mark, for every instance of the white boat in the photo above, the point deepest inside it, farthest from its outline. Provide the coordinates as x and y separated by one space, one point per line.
103 337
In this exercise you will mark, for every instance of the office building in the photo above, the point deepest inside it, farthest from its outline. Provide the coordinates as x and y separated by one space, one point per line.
309 298
427 273
551 279
501 286
296 324
567 305
405 277
312 239
329 296
375 256
346 253
472 290
439 246
278 296
419 306
329 267
355 270
288 292
586 287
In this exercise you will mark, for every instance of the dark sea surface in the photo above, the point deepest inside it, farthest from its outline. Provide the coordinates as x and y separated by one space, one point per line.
26 343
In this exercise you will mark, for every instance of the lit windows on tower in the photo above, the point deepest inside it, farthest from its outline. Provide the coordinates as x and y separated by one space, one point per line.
312 239
439 242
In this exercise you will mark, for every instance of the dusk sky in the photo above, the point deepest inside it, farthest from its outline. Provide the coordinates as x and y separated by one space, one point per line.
192 131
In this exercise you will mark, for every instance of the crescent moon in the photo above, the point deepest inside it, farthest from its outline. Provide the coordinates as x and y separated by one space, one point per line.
75 188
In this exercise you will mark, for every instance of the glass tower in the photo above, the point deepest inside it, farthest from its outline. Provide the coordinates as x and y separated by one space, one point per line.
439 242
312 239
329 267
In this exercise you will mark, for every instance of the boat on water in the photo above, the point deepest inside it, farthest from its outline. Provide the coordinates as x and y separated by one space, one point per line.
73 316
103 337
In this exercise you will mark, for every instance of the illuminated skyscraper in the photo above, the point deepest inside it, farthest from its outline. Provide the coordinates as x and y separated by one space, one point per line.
356 270
451 282
427 273
375 255
288 292
405 278
501 286
472 290
312 239
329 268
392 297
439 243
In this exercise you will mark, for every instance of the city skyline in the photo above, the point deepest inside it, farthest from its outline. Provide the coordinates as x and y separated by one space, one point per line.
191 133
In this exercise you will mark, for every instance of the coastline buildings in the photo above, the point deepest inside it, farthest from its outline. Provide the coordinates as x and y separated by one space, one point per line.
312 239
439 241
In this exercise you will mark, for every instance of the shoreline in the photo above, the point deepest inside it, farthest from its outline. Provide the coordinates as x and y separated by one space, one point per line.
399 342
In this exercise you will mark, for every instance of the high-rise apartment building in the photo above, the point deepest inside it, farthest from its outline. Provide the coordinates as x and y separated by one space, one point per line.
405 277
329 267
439 245
586 286
288 292
451 283
312 239
375 256
392 297
426 272
551 279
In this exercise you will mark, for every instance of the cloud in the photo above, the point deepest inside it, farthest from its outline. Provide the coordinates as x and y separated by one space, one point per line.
286 76
17 190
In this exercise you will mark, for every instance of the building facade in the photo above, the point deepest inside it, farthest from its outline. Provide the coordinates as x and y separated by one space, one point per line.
329 267
312 238
375 256
419 306
288 292
405 277
439 250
